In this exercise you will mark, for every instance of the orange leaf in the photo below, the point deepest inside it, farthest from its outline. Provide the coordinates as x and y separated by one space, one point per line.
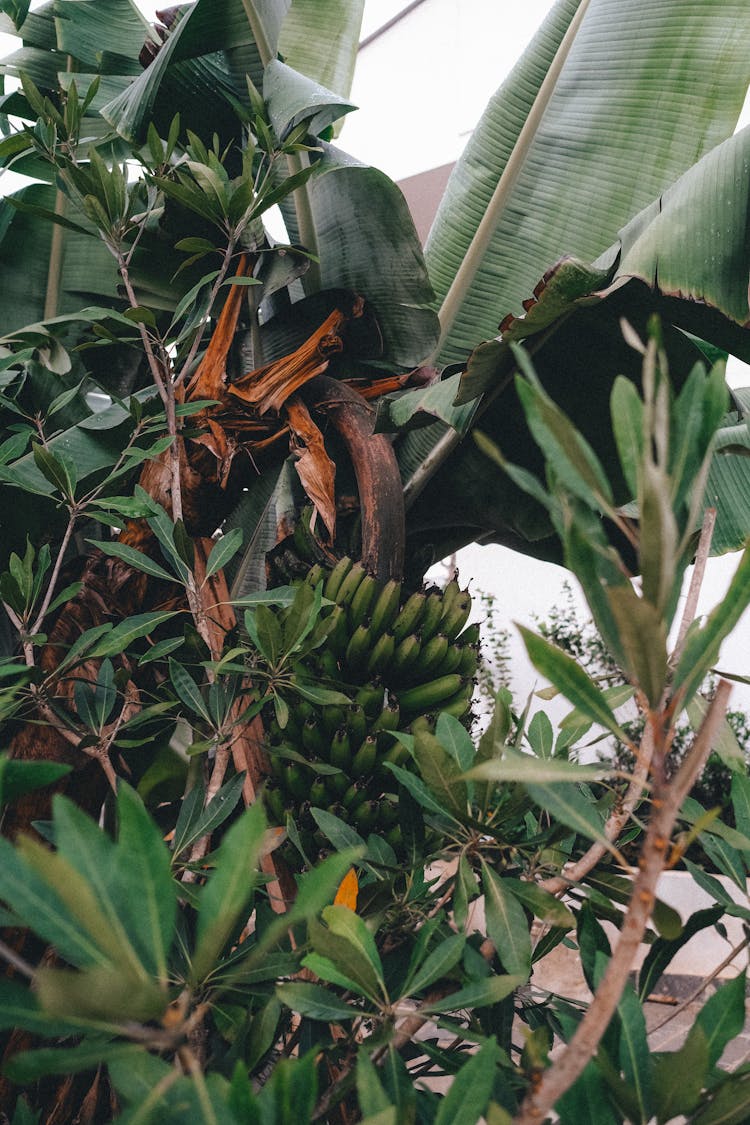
314 467
348 890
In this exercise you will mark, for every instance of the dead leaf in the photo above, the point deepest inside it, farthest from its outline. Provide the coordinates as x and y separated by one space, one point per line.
315 468
348 890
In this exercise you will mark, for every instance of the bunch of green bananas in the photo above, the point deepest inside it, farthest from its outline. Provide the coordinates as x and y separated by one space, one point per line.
401 660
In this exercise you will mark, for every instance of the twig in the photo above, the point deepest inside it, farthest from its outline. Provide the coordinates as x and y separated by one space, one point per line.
704 984
696 581
666 805
614 825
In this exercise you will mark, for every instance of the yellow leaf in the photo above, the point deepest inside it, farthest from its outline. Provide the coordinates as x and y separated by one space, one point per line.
346 895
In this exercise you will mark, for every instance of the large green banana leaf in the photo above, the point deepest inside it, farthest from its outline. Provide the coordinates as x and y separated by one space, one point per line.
604 111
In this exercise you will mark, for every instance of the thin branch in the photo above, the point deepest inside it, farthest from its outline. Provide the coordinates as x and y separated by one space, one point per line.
703 985
615 823
696 581
666 805
72 517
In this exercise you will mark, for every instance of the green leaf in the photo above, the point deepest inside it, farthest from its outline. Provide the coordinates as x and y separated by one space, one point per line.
340 834
728 1103
702 648
223 550
635 1054
370 1093
103 993
134 558
454 737
437 965
139 625
664 950
230 887
315 1002
507 927
515 766
679 1076
539 902
18 777
418 790
561 670
347 929
481 994
722 1017
31 1065
567 804
471 1087
147 884
642 634
187 690
441 773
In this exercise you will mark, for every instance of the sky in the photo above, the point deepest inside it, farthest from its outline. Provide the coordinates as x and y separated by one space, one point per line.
447 98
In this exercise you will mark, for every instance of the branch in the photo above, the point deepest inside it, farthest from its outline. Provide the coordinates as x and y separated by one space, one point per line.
696 582
666 805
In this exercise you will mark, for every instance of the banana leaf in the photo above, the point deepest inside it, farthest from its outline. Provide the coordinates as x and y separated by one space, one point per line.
567 152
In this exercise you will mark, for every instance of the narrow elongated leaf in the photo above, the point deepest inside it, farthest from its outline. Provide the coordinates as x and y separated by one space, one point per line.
566 803
635 1054
31 1065
679 1076
481 994
539 902
664 950
514 766
441 773
148 889
315 1002
506 924
561 670
722 1017
437 965
702 649
223 550
229 889
135 559
471 1087
140 625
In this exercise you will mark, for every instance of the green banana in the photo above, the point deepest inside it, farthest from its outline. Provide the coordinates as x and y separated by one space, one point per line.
333 718
336 577
362 600
349 586
364 760
336 785
388 717
353 795
432 655
409 617
274 801
453 622
364 816
451 660
387 814
425 722
356 723
394 838
313 738
385 607
318 792
467 665
294 780
315 574
370 697
431 617
338 631
340 749
450 593
382 653
357 651
424 697
471 635
405 656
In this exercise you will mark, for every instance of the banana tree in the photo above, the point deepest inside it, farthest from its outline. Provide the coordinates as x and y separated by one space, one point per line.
568 154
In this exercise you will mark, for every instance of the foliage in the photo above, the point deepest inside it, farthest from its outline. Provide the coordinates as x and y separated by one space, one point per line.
161 356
